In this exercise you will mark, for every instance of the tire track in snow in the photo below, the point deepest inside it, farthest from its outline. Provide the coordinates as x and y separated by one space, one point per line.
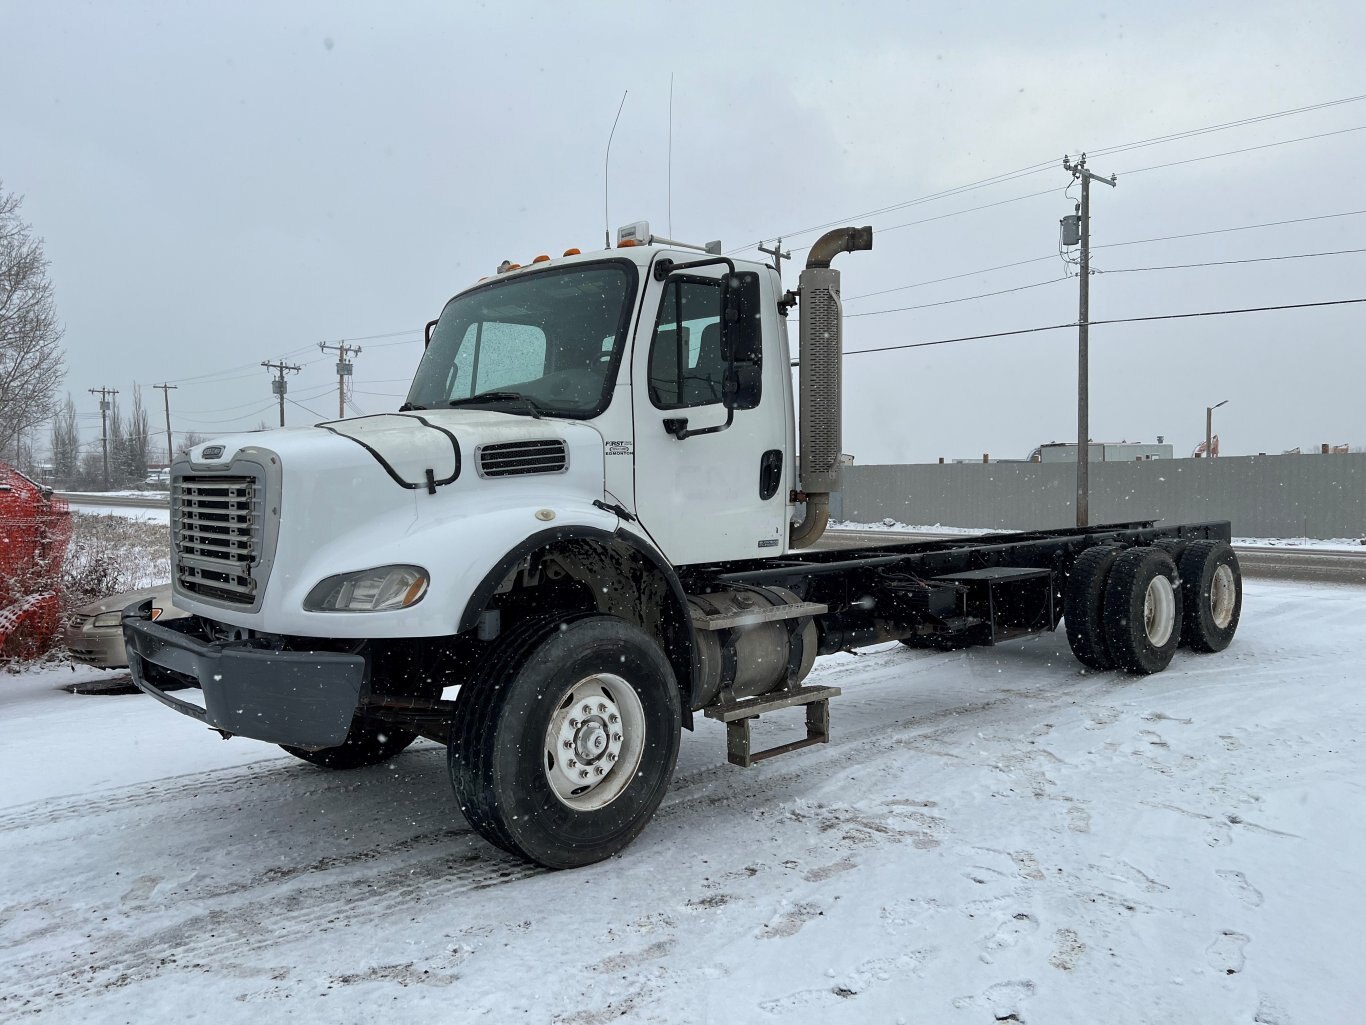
297 902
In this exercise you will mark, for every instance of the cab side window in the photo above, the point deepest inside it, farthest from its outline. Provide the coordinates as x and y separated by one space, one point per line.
687 367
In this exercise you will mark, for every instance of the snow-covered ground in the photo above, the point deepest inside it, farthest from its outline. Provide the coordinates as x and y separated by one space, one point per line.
128 512
992 835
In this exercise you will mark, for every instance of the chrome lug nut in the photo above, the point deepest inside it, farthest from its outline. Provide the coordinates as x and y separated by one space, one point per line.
568 745
614 718
616 737
583 774
601 707
598 770
573 724
611 756
587 709
571 763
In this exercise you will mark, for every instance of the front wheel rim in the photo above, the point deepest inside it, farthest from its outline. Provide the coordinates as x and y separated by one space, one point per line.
594 742
1159 610
1223 595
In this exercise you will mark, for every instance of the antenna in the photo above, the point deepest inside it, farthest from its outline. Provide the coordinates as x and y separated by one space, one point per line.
606 216
671 154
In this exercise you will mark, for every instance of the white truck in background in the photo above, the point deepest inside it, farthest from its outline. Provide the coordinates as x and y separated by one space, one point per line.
591 519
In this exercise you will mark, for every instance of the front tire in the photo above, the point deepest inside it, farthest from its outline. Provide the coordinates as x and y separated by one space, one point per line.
563 746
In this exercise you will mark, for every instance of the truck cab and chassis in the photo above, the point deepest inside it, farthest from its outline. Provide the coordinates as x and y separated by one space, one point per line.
592 519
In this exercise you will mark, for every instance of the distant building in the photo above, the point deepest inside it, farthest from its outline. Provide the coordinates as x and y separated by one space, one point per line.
1101 452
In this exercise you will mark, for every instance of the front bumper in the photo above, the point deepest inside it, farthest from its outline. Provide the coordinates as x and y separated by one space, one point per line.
300 698
101 648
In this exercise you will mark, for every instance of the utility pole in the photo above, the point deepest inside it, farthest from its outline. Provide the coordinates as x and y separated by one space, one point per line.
1079 171
104 394
343 371
166 390
279 386
778 257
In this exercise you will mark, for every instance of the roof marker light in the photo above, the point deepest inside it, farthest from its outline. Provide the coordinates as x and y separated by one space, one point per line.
543 258
572 252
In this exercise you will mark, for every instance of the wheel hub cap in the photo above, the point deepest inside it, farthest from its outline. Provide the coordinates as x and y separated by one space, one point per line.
1222 597
1159 610
594 741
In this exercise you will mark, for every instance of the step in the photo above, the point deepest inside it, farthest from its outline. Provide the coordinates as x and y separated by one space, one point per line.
737 716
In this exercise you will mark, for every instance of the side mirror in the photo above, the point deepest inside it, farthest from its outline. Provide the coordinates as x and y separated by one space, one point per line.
741 339
427 334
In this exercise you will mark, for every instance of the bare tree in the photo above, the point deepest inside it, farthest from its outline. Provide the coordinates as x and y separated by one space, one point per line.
66 443
129 442
188 442
31 360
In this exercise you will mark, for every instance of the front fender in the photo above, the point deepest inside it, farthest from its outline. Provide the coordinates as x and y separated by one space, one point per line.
675 628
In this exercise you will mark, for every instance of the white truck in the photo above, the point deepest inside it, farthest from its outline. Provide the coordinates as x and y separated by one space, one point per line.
591 519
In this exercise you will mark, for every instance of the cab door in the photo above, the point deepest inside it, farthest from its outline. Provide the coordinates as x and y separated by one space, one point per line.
711 496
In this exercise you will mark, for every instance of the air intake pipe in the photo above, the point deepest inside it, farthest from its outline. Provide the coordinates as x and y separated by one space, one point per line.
822 350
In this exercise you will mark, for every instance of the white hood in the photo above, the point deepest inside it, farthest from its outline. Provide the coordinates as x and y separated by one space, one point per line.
351 494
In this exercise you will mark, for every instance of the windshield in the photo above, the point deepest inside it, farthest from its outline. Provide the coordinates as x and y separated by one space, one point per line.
541 343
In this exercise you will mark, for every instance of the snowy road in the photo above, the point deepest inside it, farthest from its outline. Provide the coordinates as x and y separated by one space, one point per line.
991 833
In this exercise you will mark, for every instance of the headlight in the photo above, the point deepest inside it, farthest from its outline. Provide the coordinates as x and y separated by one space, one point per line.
369 590
106 619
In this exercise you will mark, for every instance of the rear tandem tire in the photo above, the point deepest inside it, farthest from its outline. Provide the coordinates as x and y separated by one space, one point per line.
1143 611
1084 605
1212 589
367 743
540 777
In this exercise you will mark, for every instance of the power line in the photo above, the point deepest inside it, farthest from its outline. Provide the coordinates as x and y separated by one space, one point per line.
305 408
1240 227
1223 263
955 213
1054 281
1048 164
316 391
1245 149
964 299
240 366
1117 320
227 420
1048 192
1108 245
1228 313
368 338
952 277
1125 147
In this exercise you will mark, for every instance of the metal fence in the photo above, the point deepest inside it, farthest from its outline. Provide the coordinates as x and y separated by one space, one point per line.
1321 496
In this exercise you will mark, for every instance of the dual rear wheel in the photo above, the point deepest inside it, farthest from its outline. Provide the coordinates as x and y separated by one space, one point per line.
1131 608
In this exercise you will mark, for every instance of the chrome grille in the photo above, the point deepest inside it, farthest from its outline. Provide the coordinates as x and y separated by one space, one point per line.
217 531
511 458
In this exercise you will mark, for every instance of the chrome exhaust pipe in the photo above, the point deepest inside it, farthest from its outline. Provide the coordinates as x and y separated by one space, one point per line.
822 351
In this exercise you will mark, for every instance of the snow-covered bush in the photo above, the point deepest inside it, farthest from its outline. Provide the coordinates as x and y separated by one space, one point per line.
109 554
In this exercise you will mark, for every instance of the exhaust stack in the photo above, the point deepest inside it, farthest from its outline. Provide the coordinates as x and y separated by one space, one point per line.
822 350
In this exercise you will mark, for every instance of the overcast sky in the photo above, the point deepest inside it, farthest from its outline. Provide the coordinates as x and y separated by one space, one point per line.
220 184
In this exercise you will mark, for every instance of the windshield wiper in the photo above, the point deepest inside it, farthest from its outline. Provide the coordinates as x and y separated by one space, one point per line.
409 406
499 396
